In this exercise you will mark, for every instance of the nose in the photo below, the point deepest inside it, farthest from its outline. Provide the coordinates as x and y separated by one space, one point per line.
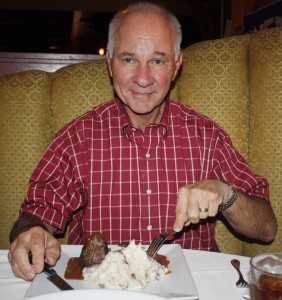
143 76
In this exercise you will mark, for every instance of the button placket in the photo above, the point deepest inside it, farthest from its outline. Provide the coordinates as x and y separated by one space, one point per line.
147 163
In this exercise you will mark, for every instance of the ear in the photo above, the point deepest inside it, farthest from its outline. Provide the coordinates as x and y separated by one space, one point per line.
178 64
109 64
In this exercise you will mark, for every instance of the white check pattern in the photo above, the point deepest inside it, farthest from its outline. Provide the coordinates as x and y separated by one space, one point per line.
102 175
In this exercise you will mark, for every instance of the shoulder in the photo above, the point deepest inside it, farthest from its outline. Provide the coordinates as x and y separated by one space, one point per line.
188 114
194 121
96 114
87 122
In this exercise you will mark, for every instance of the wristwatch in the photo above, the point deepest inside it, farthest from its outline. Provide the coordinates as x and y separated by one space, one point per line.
230 201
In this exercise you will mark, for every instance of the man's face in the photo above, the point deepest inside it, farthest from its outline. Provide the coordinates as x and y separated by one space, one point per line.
143 63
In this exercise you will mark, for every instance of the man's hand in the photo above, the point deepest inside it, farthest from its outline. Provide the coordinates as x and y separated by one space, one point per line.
40 244
199 201
250 216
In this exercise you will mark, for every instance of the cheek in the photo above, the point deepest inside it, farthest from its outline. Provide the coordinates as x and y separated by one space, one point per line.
163 79
121 77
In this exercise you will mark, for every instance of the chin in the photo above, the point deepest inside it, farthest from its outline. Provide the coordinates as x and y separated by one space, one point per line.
141 111
140 108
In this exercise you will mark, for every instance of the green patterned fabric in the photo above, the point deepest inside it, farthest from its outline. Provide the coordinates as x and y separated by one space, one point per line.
266 121
25 131
214 80
77 88
237 82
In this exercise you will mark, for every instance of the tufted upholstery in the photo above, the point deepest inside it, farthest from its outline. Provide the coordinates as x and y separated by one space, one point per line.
77 88
265 146
214 80
25 131
236 81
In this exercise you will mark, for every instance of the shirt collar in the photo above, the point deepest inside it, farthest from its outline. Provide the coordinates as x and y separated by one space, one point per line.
126 123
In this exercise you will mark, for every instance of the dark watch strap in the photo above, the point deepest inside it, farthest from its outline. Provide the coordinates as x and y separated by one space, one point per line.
230 201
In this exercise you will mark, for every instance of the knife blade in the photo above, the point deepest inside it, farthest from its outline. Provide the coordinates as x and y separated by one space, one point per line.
57 280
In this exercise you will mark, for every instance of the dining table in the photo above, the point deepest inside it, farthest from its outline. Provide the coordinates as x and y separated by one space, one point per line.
214 276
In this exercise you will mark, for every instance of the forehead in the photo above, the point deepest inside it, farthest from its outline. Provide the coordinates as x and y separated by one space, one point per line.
147 29
145 18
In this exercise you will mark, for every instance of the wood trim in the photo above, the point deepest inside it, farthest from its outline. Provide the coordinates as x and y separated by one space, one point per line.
12 62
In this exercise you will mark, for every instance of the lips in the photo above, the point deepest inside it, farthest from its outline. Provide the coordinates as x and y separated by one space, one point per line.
142 94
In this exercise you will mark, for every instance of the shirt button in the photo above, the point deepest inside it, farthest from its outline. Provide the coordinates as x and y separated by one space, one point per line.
148 155
149 191
149 227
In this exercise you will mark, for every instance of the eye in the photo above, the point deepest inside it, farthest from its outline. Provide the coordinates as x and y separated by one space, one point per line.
159 61
127 60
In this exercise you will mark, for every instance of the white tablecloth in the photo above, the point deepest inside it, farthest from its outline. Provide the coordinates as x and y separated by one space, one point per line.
213 274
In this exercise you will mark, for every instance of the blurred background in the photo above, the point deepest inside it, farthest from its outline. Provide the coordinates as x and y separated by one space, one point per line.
71 26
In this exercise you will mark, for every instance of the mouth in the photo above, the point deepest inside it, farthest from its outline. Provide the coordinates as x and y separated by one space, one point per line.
142 94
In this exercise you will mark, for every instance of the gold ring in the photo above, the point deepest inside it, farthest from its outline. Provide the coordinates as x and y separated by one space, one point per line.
203 210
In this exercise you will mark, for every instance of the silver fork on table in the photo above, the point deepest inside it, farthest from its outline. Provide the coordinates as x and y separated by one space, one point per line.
158 241
241 283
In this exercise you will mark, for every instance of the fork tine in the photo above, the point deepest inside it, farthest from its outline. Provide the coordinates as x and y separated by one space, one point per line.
242 283
153 251
156 244
245 284
156 241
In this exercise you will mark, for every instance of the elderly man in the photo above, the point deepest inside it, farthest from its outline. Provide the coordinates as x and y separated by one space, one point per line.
140 164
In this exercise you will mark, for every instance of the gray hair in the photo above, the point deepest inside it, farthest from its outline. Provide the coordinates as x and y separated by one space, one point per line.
146 8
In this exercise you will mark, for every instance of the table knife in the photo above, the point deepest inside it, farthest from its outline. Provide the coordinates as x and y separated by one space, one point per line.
57 280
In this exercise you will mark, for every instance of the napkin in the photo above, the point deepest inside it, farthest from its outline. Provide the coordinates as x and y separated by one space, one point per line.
214 274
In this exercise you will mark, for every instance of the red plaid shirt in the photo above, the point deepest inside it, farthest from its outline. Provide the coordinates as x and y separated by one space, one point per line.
102 175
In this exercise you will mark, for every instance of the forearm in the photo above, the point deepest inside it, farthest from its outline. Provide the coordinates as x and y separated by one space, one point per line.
252 217
24 223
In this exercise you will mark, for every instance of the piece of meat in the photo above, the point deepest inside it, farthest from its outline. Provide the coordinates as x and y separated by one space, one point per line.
94 250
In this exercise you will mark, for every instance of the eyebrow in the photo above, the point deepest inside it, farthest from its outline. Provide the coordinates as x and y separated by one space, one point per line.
125 54
164 54
130 54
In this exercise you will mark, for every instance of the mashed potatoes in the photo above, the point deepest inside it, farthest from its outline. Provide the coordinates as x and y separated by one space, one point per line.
127 268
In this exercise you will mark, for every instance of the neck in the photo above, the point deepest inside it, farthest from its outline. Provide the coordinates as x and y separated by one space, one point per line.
141 121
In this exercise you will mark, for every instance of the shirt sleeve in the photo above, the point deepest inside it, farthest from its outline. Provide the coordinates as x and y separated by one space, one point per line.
230 166
56 188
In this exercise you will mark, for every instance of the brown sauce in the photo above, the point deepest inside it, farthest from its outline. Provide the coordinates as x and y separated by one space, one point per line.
74 266
74 269
162 259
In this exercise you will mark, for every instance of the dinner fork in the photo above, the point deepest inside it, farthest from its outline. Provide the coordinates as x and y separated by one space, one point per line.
158 241
241 283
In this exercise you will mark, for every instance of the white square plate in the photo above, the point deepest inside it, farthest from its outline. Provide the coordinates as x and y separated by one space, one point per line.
178 285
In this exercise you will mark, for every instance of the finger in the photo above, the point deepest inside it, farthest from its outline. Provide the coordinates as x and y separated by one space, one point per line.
193 208
53 250
17 273
203 211
213 209
198 210
187 223
18 257
14 266
29 242
181 216
38 245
